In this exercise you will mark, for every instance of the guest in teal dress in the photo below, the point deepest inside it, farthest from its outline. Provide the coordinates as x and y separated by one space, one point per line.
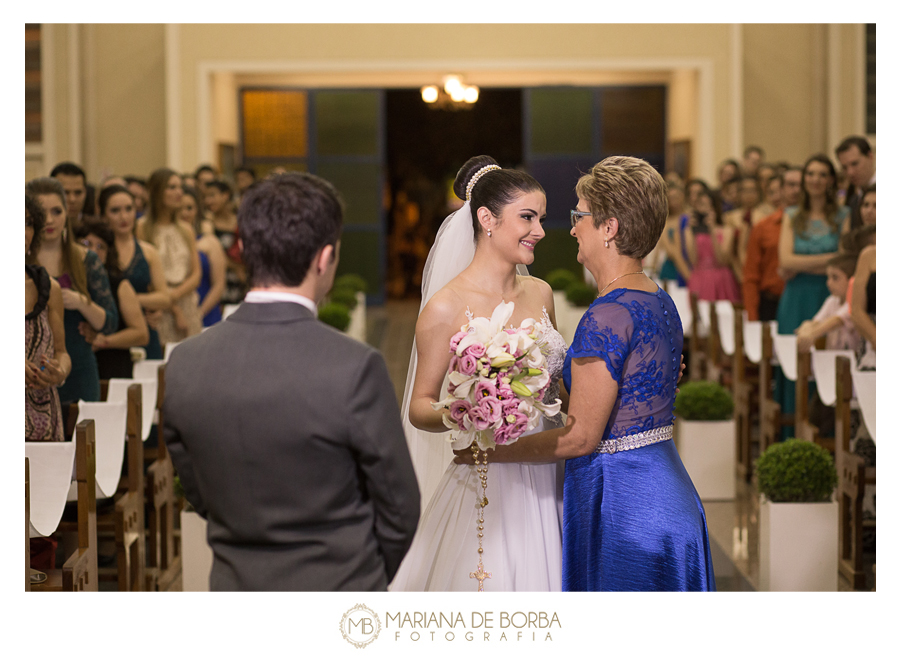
632 519
809 239
677 264
85 289
138 261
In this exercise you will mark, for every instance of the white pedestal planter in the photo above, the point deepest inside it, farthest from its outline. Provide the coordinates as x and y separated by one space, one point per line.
707 449
357 328
798 546
196 555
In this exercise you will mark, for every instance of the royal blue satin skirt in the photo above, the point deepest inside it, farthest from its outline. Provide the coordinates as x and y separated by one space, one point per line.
632 521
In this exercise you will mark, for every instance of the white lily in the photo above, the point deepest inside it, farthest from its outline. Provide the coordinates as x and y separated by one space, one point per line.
463 384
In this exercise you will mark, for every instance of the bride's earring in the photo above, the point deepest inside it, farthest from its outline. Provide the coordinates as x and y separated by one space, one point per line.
607 244
489 232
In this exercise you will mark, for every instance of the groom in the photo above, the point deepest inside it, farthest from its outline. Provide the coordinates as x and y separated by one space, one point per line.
284 432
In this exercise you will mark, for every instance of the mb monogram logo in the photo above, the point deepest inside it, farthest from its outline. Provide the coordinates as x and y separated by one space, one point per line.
360 626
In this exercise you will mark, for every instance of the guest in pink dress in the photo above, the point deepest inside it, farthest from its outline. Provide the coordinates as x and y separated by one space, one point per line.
710 245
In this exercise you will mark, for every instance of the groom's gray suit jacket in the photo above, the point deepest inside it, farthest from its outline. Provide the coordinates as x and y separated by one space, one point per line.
286 435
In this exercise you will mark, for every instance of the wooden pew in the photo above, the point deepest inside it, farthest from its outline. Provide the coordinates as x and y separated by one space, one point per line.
745 388
803 428
770 417
853 475
699 358
79 572
163 552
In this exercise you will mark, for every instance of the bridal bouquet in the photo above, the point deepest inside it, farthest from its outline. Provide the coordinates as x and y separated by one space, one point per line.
498 379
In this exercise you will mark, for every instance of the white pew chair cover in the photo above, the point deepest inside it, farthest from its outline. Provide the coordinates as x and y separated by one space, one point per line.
725 315
681 298
168 350
52 465
752 339
824 370
785 348
864 388
118 392
228 309
110 423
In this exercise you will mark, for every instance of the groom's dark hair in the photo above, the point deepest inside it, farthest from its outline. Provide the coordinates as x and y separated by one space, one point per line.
283 221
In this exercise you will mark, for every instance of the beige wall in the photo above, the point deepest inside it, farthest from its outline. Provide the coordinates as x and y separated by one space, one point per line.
147 96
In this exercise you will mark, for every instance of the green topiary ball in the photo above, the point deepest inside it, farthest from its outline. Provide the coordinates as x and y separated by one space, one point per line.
343 295
581 294
703 401
561 279
336 315
796 471
352 281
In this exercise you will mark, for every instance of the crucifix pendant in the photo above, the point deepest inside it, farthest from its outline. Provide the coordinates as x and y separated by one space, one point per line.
481 574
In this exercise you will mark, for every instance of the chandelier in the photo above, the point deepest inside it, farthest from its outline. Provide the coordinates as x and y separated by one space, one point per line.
453 96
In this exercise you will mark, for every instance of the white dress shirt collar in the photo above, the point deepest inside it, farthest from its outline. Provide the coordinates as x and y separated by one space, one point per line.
271 296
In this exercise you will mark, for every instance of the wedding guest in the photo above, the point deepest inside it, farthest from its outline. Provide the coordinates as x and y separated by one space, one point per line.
218 199
137 261
47 363
85 291
753 157
114 350
178 251
862 305
762 283
865 212
857 162
677 264
710 246
74 182
833 318
138 188
244 177
810 233
692 190
212 259
743 219
204 174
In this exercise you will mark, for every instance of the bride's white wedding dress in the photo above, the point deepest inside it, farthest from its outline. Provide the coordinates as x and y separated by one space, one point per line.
522 522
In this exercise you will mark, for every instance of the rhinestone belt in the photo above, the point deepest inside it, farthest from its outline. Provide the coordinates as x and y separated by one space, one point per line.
633 441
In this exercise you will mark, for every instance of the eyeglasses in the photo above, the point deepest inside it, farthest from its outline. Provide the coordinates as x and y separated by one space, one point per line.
576 215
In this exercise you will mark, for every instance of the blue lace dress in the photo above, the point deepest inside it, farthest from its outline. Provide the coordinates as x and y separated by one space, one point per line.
632 519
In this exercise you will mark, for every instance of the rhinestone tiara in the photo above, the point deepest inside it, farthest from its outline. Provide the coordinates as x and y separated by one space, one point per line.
478 174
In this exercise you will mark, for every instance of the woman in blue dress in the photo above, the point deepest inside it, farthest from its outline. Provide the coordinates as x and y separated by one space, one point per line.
632 519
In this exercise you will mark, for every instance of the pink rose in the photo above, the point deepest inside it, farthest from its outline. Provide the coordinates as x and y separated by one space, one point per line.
454 342
468 364
486 413
476 350
458 410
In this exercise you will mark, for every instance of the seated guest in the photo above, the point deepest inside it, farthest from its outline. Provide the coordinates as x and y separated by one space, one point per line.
177 247
833 319
114 350
85 291
212 259
47 363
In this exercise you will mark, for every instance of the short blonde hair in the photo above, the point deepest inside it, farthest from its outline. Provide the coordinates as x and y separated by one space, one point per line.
633 192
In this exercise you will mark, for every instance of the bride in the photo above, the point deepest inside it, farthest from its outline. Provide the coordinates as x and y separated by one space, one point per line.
471 269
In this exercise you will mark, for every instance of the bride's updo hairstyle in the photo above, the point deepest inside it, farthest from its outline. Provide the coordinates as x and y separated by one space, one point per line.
494 188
